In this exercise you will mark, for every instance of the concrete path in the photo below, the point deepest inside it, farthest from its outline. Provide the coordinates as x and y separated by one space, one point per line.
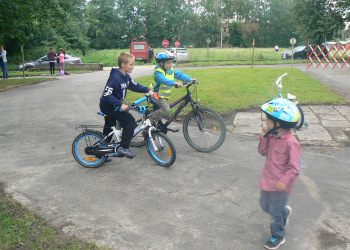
203 201
327 125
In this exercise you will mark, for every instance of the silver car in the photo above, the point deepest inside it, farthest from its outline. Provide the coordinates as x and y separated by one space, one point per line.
181 54
43 62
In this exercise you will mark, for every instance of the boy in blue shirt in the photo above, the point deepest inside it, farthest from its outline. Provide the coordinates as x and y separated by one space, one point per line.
163 80
111 101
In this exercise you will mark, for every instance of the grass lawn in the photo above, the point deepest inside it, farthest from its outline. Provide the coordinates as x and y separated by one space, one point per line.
199 56
21 228
229 89
13 83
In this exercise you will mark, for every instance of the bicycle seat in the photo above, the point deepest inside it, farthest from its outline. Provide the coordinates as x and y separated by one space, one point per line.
290 96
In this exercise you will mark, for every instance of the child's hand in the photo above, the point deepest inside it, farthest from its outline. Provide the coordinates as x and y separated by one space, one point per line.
281 186
264 131
179 84
151 93
124 107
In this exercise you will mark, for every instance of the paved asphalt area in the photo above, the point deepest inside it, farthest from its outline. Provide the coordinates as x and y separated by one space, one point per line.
203 201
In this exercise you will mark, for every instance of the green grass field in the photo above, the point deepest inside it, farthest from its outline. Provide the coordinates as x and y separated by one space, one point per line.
229 89
199 56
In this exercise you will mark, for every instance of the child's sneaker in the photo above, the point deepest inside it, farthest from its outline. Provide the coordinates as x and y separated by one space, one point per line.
289 214
274 243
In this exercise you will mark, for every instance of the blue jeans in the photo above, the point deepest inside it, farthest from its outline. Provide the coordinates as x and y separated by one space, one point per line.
274 203
4 69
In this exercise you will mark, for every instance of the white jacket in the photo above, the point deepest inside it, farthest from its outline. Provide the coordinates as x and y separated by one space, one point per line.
3 55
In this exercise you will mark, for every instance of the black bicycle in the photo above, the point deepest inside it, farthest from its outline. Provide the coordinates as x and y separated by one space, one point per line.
203 128
91 148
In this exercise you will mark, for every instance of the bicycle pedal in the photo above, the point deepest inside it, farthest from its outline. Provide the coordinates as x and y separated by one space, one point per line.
174 130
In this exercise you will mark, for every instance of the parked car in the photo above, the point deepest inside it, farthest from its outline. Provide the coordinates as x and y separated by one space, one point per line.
43 62
300 52
140 50
181 53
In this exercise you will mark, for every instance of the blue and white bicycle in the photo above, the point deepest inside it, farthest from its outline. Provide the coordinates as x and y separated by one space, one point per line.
90 148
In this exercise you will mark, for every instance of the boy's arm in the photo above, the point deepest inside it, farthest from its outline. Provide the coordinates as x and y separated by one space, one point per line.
181 76
294 164
137 87
162 79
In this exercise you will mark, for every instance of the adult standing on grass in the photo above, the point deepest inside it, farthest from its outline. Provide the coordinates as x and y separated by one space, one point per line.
276 48
3 63
51 56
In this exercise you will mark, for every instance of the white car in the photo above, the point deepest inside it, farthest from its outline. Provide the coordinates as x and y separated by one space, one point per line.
181 54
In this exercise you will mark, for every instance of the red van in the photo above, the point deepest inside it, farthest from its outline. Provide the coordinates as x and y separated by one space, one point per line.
139 50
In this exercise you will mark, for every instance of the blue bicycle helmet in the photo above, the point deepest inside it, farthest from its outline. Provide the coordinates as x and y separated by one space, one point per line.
164 56
283 111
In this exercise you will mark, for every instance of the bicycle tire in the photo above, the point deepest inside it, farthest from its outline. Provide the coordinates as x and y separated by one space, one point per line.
213 134
301 120
139 139
81 142
167 153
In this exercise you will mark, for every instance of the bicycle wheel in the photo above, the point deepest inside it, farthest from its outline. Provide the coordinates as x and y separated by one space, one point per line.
80 149
205 132
166 154
301 120
139 139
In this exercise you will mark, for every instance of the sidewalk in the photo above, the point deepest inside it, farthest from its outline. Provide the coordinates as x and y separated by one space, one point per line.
327 125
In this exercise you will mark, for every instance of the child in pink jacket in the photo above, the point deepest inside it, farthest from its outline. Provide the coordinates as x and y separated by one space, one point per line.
61 58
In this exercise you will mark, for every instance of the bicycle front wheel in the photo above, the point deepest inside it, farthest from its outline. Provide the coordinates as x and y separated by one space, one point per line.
81 147
164 154
301 120
204 130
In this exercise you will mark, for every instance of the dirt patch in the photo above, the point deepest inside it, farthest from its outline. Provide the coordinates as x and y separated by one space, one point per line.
331 240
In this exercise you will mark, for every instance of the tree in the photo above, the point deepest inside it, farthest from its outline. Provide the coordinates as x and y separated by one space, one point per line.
105 28
316 20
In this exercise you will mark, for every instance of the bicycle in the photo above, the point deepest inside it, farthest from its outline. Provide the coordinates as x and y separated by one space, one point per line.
203 128
292 98
90 148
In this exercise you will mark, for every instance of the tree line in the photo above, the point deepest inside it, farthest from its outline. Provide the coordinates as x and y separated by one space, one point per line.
108 24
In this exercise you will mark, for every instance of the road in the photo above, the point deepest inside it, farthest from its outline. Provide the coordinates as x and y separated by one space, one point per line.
203 201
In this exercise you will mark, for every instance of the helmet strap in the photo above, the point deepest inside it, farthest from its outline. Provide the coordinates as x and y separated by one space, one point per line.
275 127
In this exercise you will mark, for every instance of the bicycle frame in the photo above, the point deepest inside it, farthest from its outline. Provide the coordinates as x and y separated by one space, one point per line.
117 133
184 101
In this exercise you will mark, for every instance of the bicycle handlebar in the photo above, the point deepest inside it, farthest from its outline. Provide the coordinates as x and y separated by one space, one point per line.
278 81
188 84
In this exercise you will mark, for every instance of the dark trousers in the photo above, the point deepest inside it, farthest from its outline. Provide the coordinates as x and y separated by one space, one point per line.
127 122
52 67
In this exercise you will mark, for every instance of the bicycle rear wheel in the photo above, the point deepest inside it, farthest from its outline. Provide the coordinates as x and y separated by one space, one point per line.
82 146
166 154
205 131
